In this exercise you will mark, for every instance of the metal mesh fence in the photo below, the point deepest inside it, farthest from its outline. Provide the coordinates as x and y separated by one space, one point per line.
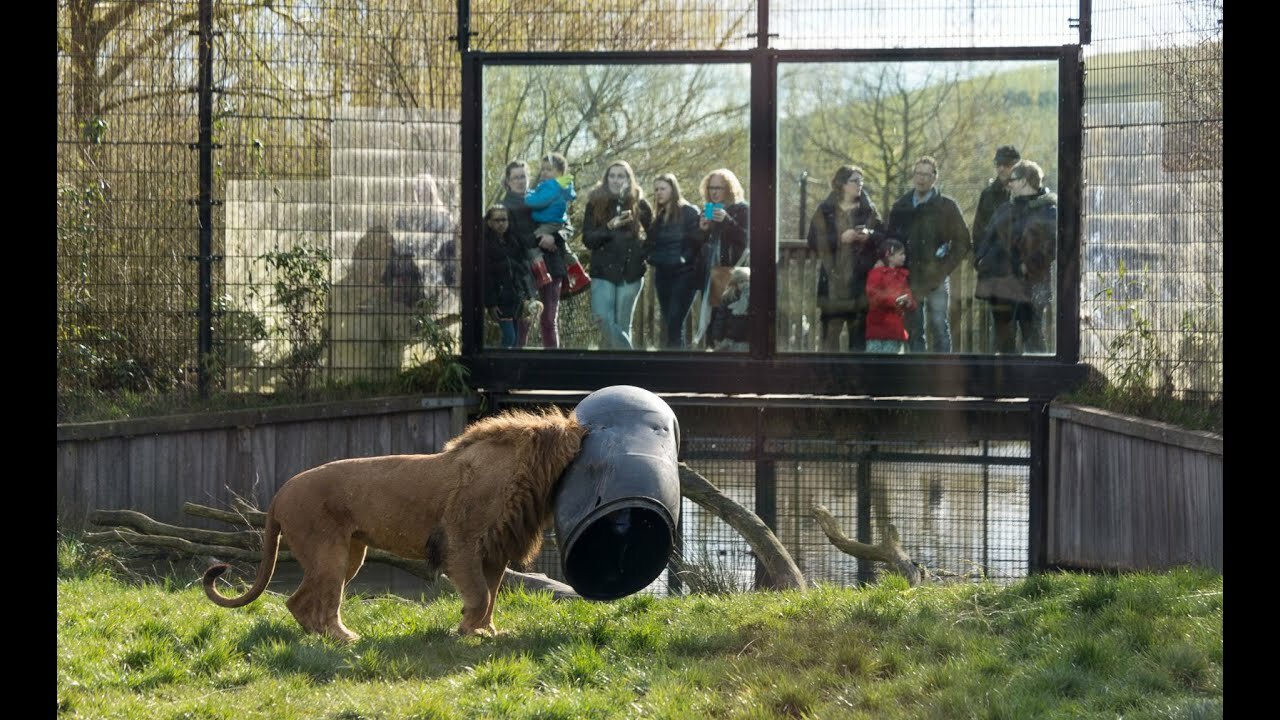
335 131
336 167
612 25
126 174
1152 218
960 510
341 152
809 24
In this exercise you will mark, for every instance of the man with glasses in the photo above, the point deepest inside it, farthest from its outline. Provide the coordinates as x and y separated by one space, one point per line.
933 230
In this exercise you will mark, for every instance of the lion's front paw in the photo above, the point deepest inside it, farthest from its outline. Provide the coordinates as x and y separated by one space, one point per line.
343 636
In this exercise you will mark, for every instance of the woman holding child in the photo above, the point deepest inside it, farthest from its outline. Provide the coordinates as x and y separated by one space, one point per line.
553 250
613 228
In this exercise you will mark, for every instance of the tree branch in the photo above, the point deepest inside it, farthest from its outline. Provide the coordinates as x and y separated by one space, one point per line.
777 561
888 551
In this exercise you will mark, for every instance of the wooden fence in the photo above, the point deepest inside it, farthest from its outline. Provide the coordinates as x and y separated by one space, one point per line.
1131 494
154 465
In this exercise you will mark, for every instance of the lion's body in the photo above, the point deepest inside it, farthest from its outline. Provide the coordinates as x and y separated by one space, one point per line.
474 508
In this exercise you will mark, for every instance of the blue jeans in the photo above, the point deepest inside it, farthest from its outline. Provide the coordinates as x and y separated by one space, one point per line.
613 304
937 306
891 347
675 287
507 327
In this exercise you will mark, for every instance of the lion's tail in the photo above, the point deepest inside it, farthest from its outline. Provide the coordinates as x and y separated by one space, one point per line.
266 568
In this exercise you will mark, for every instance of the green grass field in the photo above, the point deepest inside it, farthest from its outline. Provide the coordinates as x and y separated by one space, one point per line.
1051 646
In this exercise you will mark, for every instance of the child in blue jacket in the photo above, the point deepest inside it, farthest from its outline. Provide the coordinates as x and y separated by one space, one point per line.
550 199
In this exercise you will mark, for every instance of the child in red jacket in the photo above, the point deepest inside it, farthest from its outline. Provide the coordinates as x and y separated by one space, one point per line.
888 298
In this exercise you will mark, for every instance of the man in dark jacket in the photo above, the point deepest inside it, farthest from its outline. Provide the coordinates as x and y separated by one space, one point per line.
933 230
995 193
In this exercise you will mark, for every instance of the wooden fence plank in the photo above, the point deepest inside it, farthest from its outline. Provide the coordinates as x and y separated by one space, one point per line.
338 438
113 475
71 502
1213 514
142 476
239 463
265 478
147 469
290 451
1131 500
1160 489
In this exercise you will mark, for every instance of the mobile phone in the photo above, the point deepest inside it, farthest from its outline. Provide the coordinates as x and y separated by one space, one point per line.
709 210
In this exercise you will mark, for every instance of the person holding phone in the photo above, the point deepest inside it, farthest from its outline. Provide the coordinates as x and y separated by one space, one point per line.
613 228
725 227
840 234
937 238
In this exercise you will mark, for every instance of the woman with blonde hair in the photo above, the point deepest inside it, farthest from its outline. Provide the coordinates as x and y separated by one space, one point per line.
613 228
725 227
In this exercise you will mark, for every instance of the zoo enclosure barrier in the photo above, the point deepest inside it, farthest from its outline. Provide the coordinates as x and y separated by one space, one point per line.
197 138
957 482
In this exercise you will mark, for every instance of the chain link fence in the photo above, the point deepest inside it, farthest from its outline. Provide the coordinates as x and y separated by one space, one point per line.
336 166
1152 240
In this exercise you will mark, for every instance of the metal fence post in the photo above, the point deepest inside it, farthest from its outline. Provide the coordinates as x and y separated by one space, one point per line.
204 312
866 571
766 494
1038 489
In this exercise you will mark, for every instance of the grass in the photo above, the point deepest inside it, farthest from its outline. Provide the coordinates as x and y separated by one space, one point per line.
1050 646
1150 404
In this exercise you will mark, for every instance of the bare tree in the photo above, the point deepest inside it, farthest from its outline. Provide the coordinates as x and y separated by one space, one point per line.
682 119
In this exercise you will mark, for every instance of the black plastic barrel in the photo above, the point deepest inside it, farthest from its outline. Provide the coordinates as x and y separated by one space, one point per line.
619 501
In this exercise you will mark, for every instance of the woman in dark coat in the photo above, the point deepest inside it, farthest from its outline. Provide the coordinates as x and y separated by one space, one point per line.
840 232
507 282
1015 260
613 228
725 229
674 237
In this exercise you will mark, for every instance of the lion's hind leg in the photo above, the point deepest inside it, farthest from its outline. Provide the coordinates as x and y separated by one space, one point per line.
317 602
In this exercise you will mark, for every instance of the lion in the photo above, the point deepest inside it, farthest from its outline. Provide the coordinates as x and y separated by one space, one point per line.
470 510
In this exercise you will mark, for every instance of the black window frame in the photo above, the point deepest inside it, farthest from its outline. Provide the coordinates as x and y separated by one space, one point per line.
763 370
